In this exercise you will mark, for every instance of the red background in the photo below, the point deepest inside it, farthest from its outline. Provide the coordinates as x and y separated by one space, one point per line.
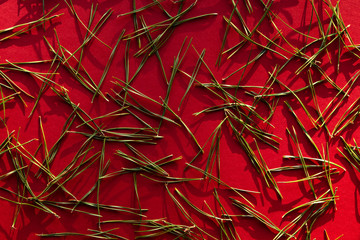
235 167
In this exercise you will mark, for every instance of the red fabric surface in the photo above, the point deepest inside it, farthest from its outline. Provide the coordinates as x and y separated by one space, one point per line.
234 168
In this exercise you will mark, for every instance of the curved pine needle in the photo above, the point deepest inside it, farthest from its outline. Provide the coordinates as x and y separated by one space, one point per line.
257 215
107 67
236 190
186 214
198 209
137 10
